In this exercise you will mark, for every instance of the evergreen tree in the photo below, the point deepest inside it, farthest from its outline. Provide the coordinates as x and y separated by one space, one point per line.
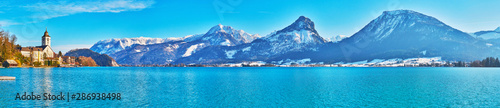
60 53
497 63
484 62
490 62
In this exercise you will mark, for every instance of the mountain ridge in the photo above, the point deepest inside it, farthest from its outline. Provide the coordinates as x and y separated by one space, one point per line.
405 34
492 36
167 52
394 34
298 36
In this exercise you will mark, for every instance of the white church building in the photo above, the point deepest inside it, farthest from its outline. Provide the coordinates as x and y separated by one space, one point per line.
40 53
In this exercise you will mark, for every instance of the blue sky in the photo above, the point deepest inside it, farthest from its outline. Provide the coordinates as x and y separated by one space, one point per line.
81 23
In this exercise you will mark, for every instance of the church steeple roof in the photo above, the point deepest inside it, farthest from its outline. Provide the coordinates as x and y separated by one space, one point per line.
46 33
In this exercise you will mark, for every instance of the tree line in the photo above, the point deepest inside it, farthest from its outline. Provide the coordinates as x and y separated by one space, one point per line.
8 47
488 62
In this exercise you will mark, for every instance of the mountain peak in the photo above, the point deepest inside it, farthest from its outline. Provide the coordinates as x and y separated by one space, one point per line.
301 31
303 19
302 23
405 14
389 21
399 12
219 28
227 36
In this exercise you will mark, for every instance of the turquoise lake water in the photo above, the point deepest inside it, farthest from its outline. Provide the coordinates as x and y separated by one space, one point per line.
258 86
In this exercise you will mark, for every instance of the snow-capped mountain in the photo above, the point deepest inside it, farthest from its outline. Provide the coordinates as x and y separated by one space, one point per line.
406 34
169 50
300 36
217 35
300 32
394 22
110 46
402 34
492 36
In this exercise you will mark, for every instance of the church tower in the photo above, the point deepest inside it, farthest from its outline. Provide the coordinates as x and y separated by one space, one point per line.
46 38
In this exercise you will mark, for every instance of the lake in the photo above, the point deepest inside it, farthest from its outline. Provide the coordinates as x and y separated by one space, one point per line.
258 86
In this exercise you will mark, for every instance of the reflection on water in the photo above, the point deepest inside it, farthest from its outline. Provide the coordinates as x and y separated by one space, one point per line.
47 84
258 87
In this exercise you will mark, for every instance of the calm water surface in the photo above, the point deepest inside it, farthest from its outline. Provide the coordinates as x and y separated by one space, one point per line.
259 87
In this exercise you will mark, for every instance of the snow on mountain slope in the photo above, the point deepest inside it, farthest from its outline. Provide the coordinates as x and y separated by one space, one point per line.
168 50
394 34
389 21
192 49
227 36
217 35
110 46
395 62
337 38
190 38
406 34
300 32
288 62
230 54
300 36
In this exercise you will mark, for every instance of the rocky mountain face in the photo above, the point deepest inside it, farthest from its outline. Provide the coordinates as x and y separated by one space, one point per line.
169 51
100 59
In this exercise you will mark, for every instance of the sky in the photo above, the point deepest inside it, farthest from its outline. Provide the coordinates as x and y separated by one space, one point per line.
81 23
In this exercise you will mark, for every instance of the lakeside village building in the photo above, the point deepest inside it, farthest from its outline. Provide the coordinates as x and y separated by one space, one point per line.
41 53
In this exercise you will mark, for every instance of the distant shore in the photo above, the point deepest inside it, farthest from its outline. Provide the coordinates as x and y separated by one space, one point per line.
239 65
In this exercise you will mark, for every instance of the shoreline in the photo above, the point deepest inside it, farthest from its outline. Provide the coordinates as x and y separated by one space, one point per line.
261 66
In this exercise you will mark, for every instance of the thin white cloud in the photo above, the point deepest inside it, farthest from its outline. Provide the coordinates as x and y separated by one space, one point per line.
7 23
4 23
51 9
